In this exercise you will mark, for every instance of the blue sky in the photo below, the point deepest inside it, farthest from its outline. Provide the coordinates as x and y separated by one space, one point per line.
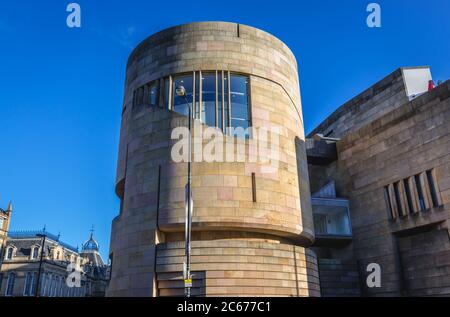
61 89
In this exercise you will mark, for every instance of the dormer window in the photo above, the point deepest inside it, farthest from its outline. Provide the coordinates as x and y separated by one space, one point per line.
34 252
9 253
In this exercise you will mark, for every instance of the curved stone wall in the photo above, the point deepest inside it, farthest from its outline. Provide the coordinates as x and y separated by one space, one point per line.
236 268
151 185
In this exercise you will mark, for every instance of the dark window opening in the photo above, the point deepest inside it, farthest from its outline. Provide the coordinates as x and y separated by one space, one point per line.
398 200
408 196
433 191
420 192
388 202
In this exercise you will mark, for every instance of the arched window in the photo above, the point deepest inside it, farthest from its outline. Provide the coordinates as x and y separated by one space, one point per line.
27 288
10 284
33 284
9 253
34 253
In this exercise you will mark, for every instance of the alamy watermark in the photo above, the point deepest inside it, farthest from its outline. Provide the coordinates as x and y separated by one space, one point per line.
74 18
210 145
374 18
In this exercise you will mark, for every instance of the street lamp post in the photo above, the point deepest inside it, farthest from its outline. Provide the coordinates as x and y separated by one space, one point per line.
181 92
38 284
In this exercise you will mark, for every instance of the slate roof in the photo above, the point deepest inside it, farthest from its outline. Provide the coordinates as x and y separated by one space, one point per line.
38 236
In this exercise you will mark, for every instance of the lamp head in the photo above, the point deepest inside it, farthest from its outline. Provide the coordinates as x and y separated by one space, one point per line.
180 91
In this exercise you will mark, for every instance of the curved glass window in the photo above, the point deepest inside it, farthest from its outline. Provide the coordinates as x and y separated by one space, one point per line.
219 98
209 99
179 103
239 94
154 94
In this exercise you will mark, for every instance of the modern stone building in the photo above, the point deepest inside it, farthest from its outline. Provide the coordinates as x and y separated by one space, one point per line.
25 271
385 154
251 228
378 169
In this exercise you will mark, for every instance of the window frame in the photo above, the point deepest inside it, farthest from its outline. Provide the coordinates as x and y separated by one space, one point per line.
9 290
223 96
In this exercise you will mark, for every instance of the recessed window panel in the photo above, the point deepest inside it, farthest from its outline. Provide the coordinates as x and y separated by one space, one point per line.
154 94
167 93
209 98
420 192
432 186
219 101
197 96
180 104
239 89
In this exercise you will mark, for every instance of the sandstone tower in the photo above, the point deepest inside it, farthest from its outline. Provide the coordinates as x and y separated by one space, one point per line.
251 229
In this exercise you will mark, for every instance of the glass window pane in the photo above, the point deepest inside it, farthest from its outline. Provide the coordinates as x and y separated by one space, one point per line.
154 94
166 92
219 106
209 99
239 101
179 103
197 95
225 93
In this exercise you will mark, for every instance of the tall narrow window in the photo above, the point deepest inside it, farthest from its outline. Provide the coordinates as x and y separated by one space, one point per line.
34 284
180 104
167 91
408 196
10 284
239 103
254 187
27 285
433 188
387 197
1 223
226 84
197 95
9 253
34 253
420 192
398 199
154 94
219 100
209 98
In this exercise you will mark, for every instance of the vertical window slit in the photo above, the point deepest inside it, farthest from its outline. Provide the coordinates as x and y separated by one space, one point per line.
388 202
254 187
420 192
398 199
433 190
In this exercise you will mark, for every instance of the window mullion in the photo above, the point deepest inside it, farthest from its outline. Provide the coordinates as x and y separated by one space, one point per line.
229 98
217 101
223 100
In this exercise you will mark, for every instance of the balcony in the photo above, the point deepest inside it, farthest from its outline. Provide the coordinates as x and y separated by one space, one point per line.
320 152
331 220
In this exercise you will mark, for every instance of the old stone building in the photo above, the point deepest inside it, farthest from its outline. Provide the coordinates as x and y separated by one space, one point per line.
26 271
386 153
251 224
5 220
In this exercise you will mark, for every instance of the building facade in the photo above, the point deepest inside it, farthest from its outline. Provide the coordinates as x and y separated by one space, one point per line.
252 225
386 153
38 263
5 220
